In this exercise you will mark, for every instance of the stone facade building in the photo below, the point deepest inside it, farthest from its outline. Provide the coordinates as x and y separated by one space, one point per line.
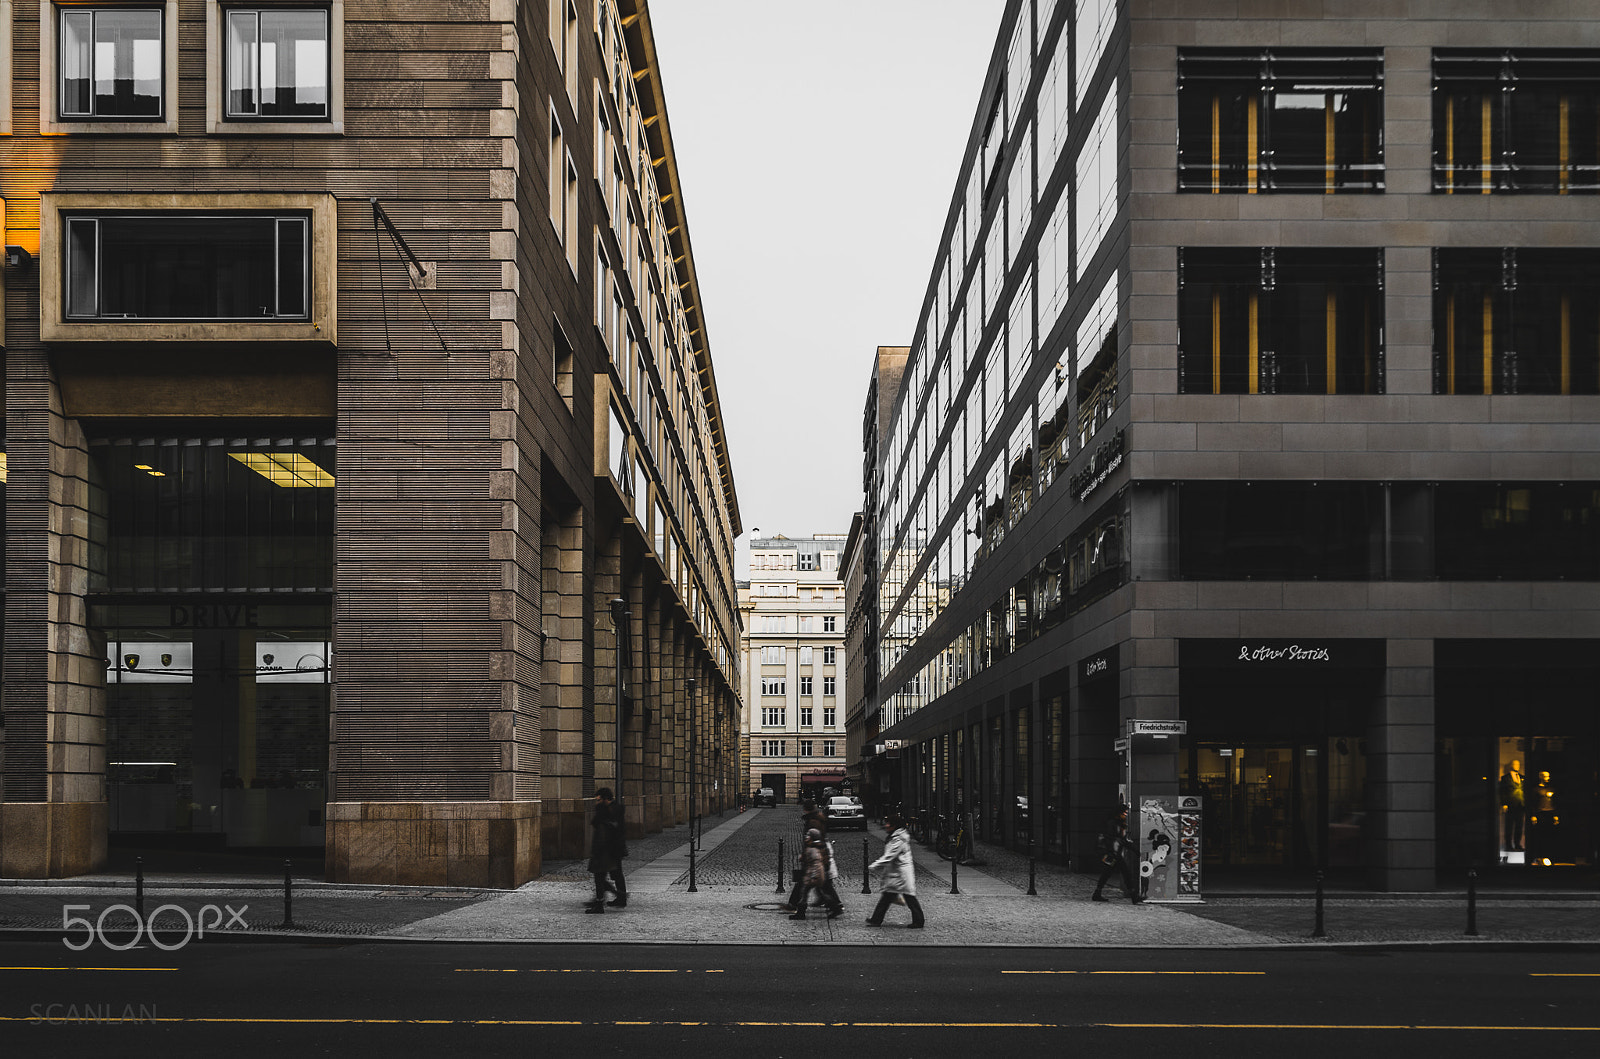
1247 451
795 686
354 366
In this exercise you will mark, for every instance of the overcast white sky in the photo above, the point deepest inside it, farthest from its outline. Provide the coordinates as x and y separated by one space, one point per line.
818 143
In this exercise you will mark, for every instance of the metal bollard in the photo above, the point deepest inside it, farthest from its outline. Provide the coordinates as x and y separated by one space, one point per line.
780 888
954 861
138 887
1472 903
1317 931
692 887
288 895
1033 891
866 872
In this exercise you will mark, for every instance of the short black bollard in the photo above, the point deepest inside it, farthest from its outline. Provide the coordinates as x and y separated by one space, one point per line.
288 895
780 888
1033 891
866 872
692 887
138 887
954 861
1317 931
1472 903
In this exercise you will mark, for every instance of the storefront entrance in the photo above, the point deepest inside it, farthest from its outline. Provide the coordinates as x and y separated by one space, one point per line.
218 733
1282 805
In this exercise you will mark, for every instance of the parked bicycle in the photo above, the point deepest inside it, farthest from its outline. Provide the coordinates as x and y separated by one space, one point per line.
956 839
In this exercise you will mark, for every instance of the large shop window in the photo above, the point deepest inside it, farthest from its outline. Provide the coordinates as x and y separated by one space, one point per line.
1285 120
217 514
1280 531
1512 320
277 63
1290 320
1520 531
1526 120
188 267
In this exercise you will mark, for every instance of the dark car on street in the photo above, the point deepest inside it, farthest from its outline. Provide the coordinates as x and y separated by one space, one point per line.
845 812
766 796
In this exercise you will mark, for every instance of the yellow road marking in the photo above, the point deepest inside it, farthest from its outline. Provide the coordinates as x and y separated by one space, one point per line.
850 1025
88 968
586 971
1133 972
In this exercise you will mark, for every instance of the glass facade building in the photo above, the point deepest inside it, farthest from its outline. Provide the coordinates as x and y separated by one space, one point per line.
1254 391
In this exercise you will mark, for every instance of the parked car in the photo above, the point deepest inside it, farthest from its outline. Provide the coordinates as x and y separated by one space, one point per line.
766 796
845 812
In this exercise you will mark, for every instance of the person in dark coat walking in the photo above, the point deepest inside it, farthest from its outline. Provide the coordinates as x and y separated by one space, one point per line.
814 876
607 846
1112 847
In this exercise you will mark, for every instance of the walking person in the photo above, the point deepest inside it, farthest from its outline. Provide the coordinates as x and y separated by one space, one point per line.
897 875
1112 847
815 877
607 846
811 819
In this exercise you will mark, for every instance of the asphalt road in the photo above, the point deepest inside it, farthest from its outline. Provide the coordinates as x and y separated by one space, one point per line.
246 998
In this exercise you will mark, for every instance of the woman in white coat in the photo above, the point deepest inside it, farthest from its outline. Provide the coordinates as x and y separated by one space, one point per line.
896 875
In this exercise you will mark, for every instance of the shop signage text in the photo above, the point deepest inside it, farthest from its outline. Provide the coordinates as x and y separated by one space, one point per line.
1097 667
1104 460
1291 653
214 616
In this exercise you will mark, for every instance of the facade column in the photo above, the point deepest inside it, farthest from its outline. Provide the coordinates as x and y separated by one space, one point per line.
54 818
567 709
1400 772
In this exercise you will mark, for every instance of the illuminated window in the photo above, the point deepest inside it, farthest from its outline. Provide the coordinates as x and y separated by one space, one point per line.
290 470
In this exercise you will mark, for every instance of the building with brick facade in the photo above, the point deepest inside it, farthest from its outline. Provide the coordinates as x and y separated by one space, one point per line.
1247 451
354 367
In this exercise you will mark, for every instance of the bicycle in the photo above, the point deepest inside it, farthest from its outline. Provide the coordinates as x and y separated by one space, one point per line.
960 843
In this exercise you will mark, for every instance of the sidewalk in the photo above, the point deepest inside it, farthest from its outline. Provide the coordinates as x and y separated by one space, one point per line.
738 904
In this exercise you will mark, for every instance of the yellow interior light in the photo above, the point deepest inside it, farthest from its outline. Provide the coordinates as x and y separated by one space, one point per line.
2 468
287 469
151 471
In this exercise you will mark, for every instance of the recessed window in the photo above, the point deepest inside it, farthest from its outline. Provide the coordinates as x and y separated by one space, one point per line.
1283 120
110 64
276 64
187 267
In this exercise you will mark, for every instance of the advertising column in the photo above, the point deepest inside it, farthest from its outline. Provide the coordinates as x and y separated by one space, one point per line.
1169 848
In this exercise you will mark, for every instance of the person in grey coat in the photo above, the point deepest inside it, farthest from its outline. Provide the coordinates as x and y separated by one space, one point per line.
897 875
608 844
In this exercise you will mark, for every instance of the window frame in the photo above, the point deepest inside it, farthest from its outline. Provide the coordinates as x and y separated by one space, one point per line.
217 121
319 326
50 121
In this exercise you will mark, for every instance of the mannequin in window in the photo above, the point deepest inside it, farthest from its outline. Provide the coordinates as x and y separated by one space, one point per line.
1512 804
1542 818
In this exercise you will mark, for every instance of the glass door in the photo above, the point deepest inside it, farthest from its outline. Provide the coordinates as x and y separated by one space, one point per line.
1263 803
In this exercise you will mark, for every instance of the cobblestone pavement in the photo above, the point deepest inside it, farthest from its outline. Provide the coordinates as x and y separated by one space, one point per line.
750 856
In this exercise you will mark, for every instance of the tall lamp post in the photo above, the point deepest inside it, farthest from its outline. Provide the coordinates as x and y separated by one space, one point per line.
689 683
619 618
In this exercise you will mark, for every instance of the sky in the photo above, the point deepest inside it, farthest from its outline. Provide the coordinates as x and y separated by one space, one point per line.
818 143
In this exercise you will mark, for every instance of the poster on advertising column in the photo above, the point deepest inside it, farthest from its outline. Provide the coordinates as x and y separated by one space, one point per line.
1169 848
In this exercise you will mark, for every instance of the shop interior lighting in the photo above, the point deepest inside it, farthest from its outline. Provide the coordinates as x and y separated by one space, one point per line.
287 469
2 468
151 471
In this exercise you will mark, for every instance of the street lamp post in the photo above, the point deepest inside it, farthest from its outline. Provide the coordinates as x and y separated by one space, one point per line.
619 619
693 804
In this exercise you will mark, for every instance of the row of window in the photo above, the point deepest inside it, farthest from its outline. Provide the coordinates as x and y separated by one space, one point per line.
807 623
780 747
1278 531
778 686
775 716
777 655
790 560
1311 120
790 590
114 67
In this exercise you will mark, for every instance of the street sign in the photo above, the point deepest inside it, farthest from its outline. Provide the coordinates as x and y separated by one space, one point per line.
1119 745
1158 727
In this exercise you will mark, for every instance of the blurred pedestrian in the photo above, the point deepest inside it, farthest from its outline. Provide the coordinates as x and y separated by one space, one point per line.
814 877
607 846
1112 848
897 882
